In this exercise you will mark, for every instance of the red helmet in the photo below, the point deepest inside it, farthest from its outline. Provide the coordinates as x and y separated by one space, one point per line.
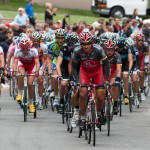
86 37
140 37
24 43
110 44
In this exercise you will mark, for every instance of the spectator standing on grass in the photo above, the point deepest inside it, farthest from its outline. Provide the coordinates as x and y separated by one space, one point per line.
49 13
135 15
30 12
21 18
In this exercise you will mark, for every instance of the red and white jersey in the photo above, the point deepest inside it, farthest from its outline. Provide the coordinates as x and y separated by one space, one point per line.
26 58
42 50
12 49
1 51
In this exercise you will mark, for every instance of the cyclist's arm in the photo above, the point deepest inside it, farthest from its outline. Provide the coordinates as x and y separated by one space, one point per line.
2 60
49 62
130 59
119 66
15 64
59 62
37 64
44 62
106 66
9 56
75 66
70 66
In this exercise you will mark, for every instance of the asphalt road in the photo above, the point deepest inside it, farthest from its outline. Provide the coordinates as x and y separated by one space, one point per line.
46 132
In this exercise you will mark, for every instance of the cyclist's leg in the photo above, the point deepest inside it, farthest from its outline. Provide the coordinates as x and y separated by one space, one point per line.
21 70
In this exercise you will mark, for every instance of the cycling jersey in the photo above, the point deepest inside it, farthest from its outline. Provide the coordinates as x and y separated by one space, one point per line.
26 59
140 53
11 49
114 61
65 53
124 52
90 66
54 49
1 51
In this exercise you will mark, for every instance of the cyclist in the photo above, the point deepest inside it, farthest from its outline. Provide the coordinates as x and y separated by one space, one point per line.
53 53
142 48
42 52
1 60
127 63
115 67
64 68
89 56
11 50
26 59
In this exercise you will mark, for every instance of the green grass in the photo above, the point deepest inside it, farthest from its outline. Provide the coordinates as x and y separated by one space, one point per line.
75 14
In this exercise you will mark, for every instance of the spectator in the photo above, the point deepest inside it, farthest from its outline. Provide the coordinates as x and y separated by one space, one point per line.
122 32
21 18
135 15
134 25
49 13
116 25
129 30
30 12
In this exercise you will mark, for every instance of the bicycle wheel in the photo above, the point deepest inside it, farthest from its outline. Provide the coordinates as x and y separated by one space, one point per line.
108 115
52 101
34 103
25 103
44 101
10 87
89 130
93 122
120 100
130 97
68 112
63 113
15 91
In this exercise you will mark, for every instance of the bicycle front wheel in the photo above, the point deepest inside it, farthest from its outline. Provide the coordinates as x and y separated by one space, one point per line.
25 103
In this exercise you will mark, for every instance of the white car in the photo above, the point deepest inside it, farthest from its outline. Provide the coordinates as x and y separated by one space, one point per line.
120 7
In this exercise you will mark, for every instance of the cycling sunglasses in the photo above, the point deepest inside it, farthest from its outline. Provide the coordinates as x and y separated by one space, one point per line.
84 44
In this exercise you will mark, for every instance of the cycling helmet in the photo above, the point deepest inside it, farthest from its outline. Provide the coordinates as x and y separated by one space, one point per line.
15 39
24 43
121 42
60 33
86 37
129 41
96 39
21 35
140 37
48 37
36 35
70 38
43 33
109 44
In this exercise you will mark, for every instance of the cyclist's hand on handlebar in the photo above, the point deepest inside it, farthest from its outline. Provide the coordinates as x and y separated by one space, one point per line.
36 73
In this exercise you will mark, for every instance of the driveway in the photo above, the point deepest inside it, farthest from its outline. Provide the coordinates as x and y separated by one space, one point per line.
73 4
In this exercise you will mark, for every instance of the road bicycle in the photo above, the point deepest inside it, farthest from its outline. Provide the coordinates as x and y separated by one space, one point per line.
25 96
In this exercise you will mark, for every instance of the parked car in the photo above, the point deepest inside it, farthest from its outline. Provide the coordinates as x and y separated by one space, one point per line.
120 7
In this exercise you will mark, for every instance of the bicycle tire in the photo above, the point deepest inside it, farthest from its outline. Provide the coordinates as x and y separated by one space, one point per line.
25 103
63 114
89 133
93 122
120 100
10 87
130 98
108 115
51 101
34 103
